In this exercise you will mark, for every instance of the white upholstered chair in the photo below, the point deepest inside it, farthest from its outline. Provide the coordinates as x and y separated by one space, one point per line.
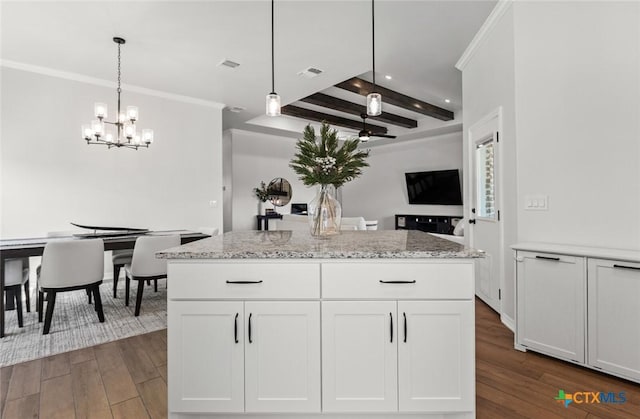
119 258
16 276
144 264
69 265
211 231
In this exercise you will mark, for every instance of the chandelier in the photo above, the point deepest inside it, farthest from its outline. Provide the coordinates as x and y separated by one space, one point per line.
125 134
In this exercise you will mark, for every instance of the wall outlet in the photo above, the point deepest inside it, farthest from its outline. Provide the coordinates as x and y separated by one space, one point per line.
536 202
213 204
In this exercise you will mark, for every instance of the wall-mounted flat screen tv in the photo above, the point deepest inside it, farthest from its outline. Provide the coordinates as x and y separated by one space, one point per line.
440 187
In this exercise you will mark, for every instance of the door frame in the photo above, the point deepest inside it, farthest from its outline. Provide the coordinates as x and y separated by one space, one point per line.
471 143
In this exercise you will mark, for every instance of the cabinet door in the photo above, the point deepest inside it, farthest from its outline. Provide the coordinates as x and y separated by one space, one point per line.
614 316
282 356
436 356
551 296
206 361
359 356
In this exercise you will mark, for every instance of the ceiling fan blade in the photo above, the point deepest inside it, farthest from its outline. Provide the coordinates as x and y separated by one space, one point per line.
382 135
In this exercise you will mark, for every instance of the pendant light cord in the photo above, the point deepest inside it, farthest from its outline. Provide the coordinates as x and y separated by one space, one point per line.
273 82
118 124
373 44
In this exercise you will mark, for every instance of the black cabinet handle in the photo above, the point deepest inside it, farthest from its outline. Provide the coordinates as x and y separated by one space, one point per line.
244 282
250 341
235 328
627 267
397 282
391 326
405 326
547 258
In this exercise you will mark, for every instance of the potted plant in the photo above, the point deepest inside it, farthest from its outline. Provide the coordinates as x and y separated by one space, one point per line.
263 196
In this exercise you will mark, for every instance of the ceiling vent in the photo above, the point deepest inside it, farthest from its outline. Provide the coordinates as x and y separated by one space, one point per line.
310 72
229 63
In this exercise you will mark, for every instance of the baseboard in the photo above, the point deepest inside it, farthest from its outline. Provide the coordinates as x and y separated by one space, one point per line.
508 321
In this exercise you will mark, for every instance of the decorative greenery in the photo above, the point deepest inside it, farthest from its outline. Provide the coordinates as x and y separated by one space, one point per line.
261 193
321 162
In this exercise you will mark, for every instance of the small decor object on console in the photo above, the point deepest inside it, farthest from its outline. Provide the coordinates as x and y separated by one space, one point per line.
321 162
263 195
125 123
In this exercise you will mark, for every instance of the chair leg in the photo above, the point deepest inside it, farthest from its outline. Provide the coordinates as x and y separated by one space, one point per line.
116 275
98 299
17 293
127 282
155 285
89 295
139 297
40 305
148 282
27 298
51 302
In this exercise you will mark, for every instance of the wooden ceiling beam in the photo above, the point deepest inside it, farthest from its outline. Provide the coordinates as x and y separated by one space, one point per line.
326 101
316 116
363 87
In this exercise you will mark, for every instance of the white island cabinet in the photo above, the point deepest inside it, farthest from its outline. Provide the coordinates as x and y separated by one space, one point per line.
268 323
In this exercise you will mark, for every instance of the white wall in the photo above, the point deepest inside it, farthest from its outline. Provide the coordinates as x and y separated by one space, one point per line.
381 191
578 108
50 177
261 157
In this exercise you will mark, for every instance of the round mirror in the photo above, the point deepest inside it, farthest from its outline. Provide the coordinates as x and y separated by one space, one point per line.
279 191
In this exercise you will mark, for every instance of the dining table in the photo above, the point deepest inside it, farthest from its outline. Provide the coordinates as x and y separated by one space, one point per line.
34 246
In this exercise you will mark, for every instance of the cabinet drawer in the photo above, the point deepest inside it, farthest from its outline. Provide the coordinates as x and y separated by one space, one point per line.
208 281
451 281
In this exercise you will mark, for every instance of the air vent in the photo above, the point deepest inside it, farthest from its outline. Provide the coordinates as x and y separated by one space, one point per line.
310 72
236 109
230 64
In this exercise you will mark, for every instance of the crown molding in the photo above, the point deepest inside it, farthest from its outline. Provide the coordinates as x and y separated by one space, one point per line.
107 83
483 32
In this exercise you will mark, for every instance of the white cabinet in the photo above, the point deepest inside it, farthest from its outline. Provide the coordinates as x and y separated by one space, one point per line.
282 356
359 362
614 316
551 295
206 350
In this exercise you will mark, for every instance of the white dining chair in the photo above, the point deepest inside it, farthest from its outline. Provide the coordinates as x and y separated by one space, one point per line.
210 231
16 276
119 258
69 265
144 264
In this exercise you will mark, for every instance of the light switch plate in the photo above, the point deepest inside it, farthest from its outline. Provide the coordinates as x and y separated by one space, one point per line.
536 202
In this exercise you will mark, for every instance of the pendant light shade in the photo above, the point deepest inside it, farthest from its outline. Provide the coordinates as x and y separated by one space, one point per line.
374 99
273 99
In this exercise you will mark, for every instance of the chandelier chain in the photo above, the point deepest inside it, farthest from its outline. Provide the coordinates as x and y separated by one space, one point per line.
119 71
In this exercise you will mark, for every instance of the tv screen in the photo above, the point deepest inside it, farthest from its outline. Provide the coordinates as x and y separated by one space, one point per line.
440 187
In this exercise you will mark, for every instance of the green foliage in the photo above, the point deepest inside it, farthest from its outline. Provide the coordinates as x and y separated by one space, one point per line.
261 193
321 161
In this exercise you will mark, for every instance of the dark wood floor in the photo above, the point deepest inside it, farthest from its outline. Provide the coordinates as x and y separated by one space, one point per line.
128 379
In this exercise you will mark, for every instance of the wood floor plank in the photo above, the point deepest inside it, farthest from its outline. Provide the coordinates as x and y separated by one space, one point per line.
137 360
108 355
154 397
118 384
81 355
22 408
513 406
25 379
89 395
5 377
55 366
162 369
488 409
156 349
130 409
56 398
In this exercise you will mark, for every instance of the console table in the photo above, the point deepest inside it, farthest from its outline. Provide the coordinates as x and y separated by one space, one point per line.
265 219
442 224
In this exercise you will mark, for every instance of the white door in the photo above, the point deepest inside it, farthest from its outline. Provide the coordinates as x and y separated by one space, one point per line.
206 356
551 304
485 229
359 356
282 356
614 315
436 356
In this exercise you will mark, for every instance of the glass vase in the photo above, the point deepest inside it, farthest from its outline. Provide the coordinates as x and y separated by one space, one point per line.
324 212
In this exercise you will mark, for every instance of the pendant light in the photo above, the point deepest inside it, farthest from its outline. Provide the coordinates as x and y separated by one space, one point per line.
374 99
273 99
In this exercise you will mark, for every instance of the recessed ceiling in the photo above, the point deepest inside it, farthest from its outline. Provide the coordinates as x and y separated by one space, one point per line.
177 47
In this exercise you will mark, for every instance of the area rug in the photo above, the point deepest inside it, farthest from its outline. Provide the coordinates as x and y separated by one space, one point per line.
75 323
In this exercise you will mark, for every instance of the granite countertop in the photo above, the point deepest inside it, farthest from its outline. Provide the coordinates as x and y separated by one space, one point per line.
379 244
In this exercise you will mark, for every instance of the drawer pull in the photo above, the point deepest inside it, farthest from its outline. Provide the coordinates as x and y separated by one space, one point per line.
547 258
405 327
244 282
235 328
391 326
397 282
627 267
250 341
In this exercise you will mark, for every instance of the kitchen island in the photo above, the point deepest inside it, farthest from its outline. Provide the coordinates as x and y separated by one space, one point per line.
362 324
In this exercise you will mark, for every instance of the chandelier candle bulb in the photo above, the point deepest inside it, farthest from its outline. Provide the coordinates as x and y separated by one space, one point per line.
129 130
132 113
108 137
87 133
147 136
97 127
100 110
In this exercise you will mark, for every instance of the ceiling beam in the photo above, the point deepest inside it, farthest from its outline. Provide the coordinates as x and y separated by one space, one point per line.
311 115
363 87
326 101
